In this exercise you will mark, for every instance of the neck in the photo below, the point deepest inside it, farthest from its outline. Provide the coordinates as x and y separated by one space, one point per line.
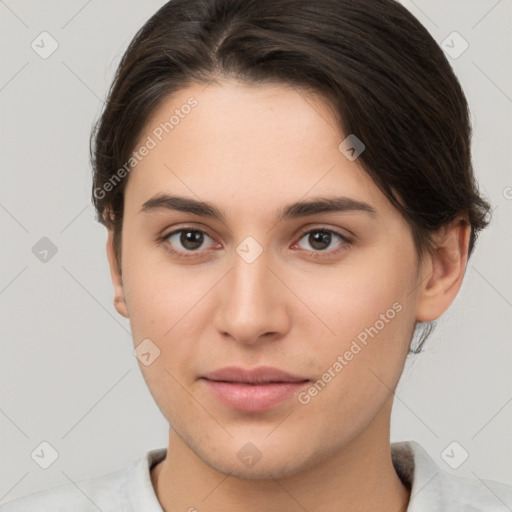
359 476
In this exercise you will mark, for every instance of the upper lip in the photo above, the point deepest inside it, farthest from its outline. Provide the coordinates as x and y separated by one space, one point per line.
260 375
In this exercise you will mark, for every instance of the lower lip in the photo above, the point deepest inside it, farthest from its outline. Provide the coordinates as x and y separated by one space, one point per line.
253 398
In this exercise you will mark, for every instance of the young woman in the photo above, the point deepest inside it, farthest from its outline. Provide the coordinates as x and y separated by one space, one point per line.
289 197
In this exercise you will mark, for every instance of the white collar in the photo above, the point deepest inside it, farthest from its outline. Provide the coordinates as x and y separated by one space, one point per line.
432 488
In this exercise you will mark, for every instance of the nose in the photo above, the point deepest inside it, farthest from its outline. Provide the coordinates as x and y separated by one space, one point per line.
253 301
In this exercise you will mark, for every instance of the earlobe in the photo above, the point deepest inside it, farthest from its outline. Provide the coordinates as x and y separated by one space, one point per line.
443 271
115 273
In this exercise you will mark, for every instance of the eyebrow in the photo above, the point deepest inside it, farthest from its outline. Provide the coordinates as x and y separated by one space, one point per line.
294 210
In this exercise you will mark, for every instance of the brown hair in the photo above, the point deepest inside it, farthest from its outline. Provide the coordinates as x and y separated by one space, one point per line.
385 78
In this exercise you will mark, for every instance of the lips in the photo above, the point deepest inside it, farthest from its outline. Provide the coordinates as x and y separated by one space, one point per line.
255 390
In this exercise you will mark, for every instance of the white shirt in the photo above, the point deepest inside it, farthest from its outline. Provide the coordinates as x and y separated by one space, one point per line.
130 489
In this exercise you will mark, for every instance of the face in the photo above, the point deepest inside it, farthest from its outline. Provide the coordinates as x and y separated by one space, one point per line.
325 295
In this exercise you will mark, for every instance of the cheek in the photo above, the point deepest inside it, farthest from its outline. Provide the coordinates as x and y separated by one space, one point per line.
161 304
369 310
352 298
155 292
370 330
164 302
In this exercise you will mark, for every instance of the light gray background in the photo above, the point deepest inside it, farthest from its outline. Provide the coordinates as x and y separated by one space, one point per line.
68 374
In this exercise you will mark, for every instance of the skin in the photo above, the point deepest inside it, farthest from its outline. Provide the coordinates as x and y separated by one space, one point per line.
251 150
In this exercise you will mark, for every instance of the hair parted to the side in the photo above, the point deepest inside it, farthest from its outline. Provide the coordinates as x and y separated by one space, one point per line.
382 74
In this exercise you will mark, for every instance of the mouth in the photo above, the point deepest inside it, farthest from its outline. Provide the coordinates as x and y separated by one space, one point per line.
255 390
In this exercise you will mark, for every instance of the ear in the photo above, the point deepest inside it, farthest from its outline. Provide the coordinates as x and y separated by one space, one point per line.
115 273
443 270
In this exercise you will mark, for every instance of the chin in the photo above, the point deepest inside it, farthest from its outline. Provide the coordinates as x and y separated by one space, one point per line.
262 470
247 461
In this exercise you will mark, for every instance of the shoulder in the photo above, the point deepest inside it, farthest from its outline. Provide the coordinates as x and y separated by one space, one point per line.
473 495
83 496
114 491
433 488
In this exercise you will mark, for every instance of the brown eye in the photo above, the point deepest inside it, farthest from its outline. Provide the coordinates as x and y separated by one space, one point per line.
320 240
191 240
186 240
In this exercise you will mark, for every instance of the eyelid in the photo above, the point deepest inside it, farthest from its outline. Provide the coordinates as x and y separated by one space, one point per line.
329 229
186 227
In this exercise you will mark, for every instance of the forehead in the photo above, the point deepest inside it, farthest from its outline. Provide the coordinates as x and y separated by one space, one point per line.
257 145
263 119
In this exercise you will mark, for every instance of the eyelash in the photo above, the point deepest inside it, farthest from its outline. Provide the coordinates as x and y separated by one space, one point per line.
345 242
